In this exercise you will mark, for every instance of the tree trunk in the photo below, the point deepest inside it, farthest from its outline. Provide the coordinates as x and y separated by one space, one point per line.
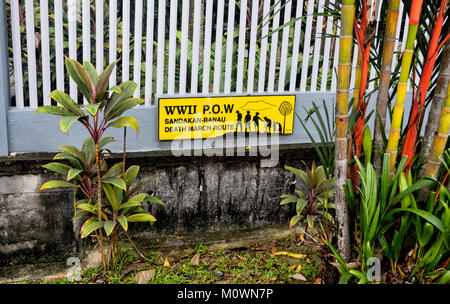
342 95
385 79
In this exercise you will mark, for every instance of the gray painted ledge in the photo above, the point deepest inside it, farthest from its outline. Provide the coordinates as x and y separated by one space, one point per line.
30 132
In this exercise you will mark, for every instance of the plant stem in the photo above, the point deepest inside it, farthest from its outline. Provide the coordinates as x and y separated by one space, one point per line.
99 203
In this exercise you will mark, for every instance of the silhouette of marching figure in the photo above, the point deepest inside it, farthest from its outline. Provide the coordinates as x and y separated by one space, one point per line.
268 124
239 121
256 120
247 120
276 125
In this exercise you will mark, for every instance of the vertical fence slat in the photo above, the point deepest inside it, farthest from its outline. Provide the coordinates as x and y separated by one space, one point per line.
335 56
17 54
45 48
59 46
241 47
195 45
86 28
273 48
161 48
137 47
296 45
263 50
72 23
326 52
218 50
149 53
113 39
4 81
207 46
184 46
31 53
86 32
307 47
252 51
229 49
126 41
317 45
99 35
284 46
172 46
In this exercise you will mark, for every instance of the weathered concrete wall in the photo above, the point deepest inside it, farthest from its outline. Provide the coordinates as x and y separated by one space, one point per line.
202 194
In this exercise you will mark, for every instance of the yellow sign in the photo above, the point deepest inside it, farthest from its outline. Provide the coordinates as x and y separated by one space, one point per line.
205 117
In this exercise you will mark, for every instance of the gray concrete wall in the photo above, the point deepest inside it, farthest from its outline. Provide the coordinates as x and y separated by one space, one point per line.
202 195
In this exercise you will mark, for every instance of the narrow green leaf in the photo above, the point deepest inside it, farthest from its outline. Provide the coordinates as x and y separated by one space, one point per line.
130 175
116 181
57 184
126 121
123 222
92 108
110 196
81 78
90 227
54 110
91 71
109 226
153 199
72 150
66 122
57 167
73 173
141 217
294 220
67 102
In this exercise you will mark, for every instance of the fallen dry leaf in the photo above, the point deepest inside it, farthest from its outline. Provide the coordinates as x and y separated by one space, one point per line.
274 249
195 259
308 260
166 263
292 267
299 267
258 249
241 258
299 277
318 281
144 276
292 255
302 237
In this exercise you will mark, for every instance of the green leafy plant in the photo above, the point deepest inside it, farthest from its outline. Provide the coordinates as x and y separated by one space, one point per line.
88 170
315 199
389 219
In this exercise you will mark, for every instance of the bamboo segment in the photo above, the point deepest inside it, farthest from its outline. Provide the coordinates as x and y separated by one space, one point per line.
402 85
440 138
385 77
343 83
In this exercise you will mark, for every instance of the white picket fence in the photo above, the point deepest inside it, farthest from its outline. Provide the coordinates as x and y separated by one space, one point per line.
165 50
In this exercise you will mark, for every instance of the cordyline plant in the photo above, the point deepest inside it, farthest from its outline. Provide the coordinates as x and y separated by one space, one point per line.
315 199
88 171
